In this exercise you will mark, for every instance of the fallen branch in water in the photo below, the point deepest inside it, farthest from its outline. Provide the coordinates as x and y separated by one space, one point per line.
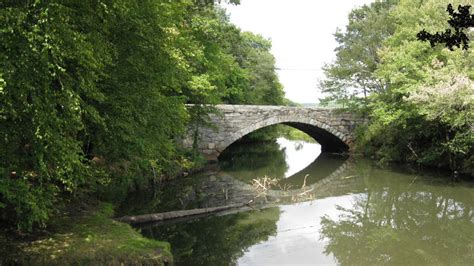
303 196
262 185
304 181
156 217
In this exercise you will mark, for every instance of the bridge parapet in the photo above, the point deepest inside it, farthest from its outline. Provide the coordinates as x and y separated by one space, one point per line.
334 130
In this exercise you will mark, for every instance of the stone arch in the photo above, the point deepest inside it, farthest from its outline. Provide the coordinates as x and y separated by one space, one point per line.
331 139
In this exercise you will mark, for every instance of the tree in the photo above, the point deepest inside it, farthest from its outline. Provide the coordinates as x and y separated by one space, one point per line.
459 22
254 56
350 79
51 59
402 129
92 95
395 81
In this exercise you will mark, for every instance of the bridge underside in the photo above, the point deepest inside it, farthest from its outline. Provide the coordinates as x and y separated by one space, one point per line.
329 143
334 130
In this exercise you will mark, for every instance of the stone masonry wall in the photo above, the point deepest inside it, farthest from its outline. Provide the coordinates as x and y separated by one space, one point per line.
236 121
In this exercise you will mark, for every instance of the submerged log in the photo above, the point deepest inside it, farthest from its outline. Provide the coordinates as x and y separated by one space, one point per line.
156 217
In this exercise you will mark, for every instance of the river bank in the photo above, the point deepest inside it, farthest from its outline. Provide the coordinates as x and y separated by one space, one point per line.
84 235
86 232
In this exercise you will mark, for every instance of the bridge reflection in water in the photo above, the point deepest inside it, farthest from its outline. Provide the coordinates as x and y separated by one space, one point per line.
360 214
230 181
243 162
357 214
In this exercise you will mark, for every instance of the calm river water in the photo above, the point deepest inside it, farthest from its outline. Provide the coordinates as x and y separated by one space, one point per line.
350 212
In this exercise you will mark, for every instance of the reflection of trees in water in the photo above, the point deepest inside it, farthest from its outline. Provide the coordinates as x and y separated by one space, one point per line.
404 223
246 161
218 240
260 158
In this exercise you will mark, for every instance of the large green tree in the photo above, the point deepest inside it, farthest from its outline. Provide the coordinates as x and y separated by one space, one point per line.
254 56
405 127
51 59
418 98
350 78
92 94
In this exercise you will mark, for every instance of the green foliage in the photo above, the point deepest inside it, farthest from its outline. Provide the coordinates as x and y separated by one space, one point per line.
88 238
49 68
255 58
262 86
423 114
460 21
294 134
350 79
92 94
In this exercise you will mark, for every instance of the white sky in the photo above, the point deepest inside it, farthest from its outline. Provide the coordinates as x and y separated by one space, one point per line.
302 36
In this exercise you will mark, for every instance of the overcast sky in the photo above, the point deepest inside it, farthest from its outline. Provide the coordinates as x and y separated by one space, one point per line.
302 36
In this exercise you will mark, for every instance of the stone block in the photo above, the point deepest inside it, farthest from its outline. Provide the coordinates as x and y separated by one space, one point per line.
238 120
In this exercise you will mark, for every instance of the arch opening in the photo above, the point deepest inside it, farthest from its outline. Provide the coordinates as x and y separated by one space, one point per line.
280 157
330 143
277 150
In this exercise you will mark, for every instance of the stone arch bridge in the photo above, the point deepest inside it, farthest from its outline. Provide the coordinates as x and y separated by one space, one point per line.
332 129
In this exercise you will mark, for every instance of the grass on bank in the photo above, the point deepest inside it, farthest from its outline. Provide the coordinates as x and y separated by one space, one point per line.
294 134
90 237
